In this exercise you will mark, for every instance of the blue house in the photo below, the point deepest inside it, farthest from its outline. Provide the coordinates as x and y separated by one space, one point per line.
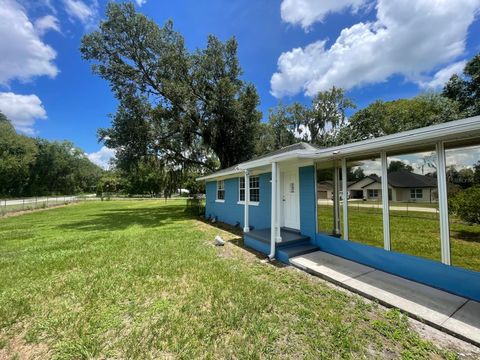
273 198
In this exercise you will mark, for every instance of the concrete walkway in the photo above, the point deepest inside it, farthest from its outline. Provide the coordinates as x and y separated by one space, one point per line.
450 313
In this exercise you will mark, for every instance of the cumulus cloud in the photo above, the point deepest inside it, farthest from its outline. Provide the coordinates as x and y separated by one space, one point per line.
140 2
46 23
23 54
22 110
79 10
307 12
443 75
407 38
102 157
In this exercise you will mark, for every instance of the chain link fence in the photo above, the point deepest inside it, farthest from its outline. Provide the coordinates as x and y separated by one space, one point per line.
32 203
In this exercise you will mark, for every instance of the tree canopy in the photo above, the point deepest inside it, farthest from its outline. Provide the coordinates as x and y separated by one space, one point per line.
30 167
183 108
466 89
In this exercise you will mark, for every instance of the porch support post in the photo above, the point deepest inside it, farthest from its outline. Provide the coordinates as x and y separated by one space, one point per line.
336 200
278 237
273 212
246 225
386 210
345 198
443 203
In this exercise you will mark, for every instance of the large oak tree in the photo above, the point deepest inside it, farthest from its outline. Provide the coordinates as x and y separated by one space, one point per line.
179 107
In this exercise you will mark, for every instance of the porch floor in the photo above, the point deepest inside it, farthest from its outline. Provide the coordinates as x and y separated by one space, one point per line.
450 313
289 237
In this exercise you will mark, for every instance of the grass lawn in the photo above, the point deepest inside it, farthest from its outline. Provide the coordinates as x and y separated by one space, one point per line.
414 233
140 279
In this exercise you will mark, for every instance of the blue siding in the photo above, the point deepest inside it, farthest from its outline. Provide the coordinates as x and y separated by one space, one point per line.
308 208
456 280
230 212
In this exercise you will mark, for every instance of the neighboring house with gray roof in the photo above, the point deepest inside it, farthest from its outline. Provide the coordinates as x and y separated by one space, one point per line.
403 186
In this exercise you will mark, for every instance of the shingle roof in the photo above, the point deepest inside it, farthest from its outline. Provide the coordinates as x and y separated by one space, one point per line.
407 179
286 149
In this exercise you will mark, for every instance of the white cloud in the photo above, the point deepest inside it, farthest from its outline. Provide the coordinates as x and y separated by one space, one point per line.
46 23
22 110
79 10
23 54
307 12
102 157
140 2
407 38
443 75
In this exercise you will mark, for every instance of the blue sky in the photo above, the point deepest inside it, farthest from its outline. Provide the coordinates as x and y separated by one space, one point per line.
289 49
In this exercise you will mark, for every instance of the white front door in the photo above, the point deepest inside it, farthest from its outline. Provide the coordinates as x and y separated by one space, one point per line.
290 199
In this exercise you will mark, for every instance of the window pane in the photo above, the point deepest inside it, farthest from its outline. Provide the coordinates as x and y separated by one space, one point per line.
365 217
463 184
255 195
413 195
326 200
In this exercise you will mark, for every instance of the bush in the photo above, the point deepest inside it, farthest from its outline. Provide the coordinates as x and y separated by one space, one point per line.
466 205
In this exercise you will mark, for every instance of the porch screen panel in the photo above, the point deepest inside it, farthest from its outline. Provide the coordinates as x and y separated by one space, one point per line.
463 186
364 201
326 199
413 202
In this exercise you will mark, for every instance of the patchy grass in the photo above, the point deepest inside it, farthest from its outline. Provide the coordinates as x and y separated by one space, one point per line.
137 279
413 232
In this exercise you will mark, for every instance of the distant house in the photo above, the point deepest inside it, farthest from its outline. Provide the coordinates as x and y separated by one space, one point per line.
403 186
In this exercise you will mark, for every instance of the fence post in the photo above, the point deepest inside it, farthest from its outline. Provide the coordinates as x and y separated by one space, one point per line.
36 202
23 204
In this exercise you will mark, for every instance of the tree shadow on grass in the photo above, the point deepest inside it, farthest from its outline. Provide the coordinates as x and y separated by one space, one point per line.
238 240
465 235
120 219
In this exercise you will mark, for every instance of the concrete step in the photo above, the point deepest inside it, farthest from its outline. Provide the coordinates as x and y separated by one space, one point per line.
286 253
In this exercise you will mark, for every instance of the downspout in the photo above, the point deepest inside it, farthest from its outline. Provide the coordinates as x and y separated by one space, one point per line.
273 212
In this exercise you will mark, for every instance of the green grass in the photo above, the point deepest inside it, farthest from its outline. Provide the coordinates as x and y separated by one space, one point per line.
415 233
141 279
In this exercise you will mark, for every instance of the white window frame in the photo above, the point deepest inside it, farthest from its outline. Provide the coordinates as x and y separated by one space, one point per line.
222 188
242 202
414 191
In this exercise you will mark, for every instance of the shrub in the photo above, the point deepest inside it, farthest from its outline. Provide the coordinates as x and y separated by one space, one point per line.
466 205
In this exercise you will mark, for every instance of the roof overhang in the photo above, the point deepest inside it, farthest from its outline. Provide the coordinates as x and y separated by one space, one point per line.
458 131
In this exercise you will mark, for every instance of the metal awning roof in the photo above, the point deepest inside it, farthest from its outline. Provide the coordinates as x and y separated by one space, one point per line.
458 133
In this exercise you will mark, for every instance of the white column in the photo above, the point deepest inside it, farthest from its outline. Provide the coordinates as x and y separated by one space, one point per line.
443 203
345 198
336 200
385 207
246 225
273 212
278 237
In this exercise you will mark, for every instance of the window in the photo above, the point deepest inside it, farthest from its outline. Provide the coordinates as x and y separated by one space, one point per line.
414 220
254 189
416 194
220 190
463 188
365 217
241 187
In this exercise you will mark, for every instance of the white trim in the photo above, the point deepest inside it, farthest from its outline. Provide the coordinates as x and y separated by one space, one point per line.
273 212
246 202
253 203
219 200
443 203
345 199
336 199
387 245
